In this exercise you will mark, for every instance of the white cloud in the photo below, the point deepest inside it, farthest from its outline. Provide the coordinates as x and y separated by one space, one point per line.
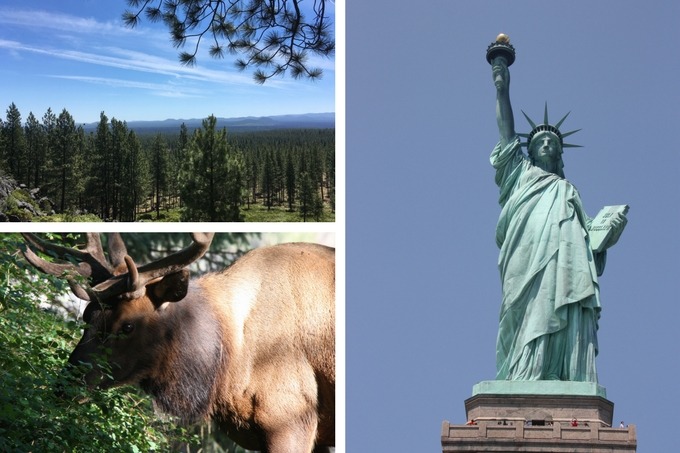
138 61
81 39
158 89
51 20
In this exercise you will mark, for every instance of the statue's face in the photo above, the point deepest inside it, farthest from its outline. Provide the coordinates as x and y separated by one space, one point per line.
545 147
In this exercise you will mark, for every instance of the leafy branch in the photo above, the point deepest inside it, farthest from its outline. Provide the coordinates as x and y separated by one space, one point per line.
274 36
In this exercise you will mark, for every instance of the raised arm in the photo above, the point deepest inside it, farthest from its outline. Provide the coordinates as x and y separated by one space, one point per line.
504 116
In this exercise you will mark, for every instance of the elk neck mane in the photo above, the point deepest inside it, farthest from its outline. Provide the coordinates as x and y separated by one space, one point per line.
185 381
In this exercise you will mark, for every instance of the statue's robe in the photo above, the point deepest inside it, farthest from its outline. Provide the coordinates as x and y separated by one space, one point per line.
551 305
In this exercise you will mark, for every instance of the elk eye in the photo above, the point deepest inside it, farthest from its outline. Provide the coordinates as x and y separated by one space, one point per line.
127 327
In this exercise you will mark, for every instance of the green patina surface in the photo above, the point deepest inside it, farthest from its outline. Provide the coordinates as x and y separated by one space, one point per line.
539 388
547 337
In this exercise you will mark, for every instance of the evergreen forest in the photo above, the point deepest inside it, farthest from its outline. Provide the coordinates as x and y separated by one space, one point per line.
113 173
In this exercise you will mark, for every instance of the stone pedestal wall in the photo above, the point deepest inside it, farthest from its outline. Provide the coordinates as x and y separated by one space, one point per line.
549 422
560 437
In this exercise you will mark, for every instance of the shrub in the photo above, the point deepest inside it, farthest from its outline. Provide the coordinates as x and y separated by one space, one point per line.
35 347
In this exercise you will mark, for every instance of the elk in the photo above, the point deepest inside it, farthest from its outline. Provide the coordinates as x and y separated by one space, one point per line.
251 346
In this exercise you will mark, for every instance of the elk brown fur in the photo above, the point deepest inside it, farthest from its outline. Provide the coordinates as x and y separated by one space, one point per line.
252 346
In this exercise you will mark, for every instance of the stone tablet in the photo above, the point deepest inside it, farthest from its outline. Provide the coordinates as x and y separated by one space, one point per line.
600 228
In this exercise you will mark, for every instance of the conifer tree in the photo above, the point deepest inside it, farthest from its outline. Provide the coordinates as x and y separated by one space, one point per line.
159 170
15 144
99 178
275 36
290 181
268 179
64 159
134 173
119 151
178 153
35 151
212 177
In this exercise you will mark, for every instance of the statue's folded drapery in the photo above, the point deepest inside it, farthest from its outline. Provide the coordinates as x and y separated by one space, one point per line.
551 304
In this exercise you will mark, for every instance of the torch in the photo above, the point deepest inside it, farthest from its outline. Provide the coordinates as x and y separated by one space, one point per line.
501 48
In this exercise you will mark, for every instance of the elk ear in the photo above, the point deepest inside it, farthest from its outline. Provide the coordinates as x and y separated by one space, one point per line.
172 288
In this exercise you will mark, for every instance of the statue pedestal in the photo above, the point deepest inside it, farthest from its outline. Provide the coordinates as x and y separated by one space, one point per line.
538 416
537 401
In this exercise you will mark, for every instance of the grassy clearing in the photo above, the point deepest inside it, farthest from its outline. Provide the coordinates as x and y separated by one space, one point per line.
259 213
256 213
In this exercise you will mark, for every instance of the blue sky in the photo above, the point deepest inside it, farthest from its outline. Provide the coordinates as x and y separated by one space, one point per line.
78 55
423 290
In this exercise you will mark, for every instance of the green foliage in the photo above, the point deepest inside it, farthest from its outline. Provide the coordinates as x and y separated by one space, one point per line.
275 37
64 161
11 207
212 179
260 213
162 215
113 173
13 157
68 217
35 346
159 165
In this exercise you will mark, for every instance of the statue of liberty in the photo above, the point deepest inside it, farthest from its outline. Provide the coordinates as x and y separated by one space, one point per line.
549 271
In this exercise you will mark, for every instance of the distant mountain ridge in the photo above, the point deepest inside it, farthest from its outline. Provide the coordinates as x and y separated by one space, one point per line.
248 123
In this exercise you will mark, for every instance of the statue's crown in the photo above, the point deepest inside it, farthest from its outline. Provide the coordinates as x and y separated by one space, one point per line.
547 127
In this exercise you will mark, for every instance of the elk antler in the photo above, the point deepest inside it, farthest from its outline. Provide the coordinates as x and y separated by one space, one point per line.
130 285
92 262
93 265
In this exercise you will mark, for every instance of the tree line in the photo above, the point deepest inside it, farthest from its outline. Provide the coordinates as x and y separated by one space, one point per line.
206 174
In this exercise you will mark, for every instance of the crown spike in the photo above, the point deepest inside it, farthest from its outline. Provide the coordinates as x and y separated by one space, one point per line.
531 123
567 134
559 123
547 127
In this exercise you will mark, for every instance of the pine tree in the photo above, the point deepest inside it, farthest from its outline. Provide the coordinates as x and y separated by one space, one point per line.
35 150
268 180
178 154
134 176
235 186
290 181
100 180
15 144
119 151
159 170
251 177
274 36
48 184
307 193
212 177
330 176
64 156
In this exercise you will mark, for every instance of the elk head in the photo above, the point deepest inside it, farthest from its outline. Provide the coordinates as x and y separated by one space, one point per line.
123 301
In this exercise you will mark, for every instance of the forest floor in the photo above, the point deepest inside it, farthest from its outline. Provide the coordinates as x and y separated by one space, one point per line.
255 213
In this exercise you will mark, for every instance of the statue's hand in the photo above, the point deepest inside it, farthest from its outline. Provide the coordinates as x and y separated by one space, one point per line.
501 74
618 224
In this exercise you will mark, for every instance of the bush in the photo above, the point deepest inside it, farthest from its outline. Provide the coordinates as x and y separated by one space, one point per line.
35 346
67 217
12 208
